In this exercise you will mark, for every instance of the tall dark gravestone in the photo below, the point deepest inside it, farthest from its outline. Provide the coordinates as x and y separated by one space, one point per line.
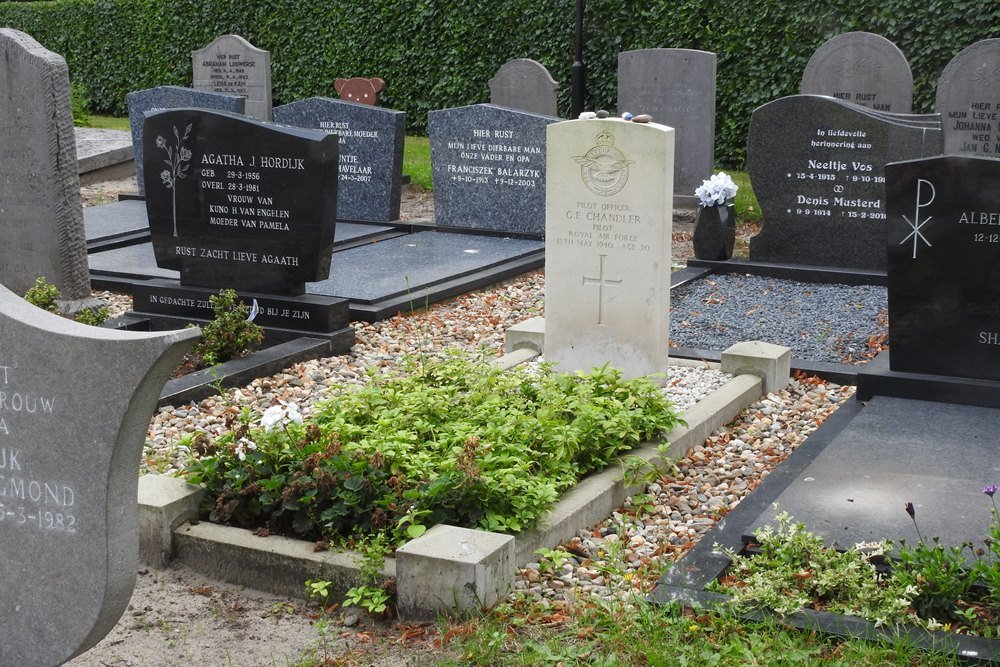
140 102
677 88
862 68
371 153
943 246
235 202
817 169
76 403
488 166
41 222
968 99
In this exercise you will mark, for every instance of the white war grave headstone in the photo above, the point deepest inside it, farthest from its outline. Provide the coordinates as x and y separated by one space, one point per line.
608 212
75 404
234 66
968 99
41 221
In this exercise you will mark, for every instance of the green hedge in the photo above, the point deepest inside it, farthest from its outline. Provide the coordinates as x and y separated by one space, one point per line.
435 54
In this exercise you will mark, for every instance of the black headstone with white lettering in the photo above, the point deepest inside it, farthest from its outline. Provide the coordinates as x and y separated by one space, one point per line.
817 169
943 243
239 203
171 97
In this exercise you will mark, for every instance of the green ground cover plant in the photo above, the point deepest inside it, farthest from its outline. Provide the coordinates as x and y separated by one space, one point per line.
46 296
230 333
928 585
451 440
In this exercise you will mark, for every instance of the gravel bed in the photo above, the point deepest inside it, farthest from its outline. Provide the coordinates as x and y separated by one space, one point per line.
819 322
624 555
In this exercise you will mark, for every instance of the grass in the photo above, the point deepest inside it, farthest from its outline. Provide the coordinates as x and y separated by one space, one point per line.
532 632
417 161
747 208
107 123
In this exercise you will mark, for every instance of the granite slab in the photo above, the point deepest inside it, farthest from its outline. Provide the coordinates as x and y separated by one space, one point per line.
413 263
938 456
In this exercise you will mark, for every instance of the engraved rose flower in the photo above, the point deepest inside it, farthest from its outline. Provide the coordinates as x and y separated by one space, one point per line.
179 161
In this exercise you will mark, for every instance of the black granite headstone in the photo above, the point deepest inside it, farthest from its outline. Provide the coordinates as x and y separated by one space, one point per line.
943 247
170 97
817 169
371 153
240 203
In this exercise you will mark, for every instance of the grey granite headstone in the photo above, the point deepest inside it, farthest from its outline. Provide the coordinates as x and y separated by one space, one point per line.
817 166
141 102
525 85
677 88
488 166
968 99
371 153
234 66
75 403
41 222
862 68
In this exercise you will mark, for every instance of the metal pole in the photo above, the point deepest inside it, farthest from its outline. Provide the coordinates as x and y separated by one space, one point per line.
579 71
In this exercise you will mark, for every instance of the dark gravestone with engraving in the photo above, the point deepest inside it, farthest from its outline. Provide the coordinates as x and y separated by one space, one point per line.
234 66
817 169
75 404
41 223
525 85
943 242
677 88
171 97
968 99
240 203
862 68
371 153
488 165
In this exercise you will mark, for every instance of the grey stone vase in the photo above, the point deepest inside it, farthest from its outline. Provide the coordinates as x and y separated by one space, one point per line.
715 232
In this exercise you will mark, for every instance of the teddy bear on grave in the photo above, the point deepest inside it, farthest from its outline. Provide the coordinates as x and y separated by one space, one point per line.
359 89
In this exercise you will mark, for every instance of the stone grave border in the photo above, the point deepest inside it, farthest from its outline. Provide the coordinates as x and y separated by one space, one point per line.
703 564
698 269
280 565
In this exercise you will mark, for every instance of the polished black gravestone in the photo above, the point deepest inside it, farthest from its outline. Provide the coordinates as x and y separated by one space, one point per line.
817 169
240 203
943 247
140 102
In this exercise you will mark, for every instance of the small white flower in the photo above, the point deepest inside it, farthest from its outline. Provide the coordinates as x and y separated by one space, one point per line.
280 414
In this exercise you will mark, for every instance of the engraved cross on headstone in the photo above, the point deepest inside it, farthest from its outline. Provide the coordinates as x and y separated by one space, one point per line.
601 282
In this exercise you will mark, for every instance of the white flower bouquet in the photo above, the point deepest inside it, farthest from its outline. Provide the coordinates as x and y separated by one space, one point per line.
719 190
